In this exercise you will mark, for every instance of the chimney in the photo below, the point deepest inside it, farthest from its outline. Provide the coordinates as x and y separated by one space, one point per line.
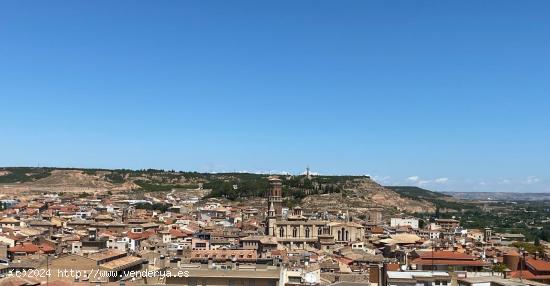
234 264
210 262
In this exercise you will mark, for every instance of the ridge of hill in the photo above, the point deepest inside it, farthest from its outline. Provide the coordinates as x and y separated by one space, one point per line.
364 193
319 192
417 192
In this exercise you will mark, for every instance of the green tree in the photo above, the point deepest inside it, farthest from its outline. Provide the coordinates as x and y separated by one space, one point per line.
499 267
421 223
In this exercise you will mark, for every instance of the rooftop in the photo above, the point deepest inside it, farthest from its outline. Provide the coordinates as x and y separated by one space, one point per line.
122 263
416 274
269 272
106 254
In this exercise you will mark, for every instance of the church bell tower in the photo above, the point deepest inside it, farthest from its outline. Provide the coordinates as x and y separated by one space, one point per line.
275 196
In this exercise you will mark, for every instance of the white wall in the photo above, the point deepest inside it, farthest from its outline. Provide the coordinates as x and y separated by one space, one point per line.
396 222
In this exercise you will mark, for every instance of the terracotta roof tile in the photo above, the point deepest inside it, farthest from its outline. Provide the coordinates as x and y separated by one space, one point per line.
32 248
538 265
447 255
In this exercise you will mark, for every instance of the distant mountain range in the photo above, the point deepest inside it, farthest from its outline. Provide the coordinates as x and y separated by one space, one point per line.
499 196
440 200
435 197
443 198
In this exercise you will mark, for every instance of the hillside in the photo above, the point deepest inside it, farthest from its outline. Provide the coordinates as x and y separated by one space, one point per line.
442 201
416 192
317 192
22 179
364 193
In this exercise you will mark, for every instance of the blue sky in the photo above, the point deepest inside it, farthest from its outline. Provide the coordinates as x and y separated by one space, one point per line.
449 95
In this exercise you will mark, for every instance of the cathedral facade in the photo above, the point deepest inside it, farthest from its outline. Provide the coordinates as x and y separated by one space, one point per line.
297 232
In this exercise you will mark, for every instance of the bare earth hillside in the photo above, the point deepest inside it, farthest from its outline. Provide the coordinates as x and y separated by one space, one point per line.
358 193
69 181
364 193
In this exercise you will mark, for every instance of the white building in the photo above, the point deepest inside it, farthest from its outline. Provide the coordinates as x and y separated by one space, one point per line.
397 222
118 243
416 278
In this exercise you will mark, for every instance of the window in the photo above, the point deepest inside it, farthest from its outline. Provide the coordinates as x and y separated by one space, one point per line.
319 231
294 232
307 232
281 232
